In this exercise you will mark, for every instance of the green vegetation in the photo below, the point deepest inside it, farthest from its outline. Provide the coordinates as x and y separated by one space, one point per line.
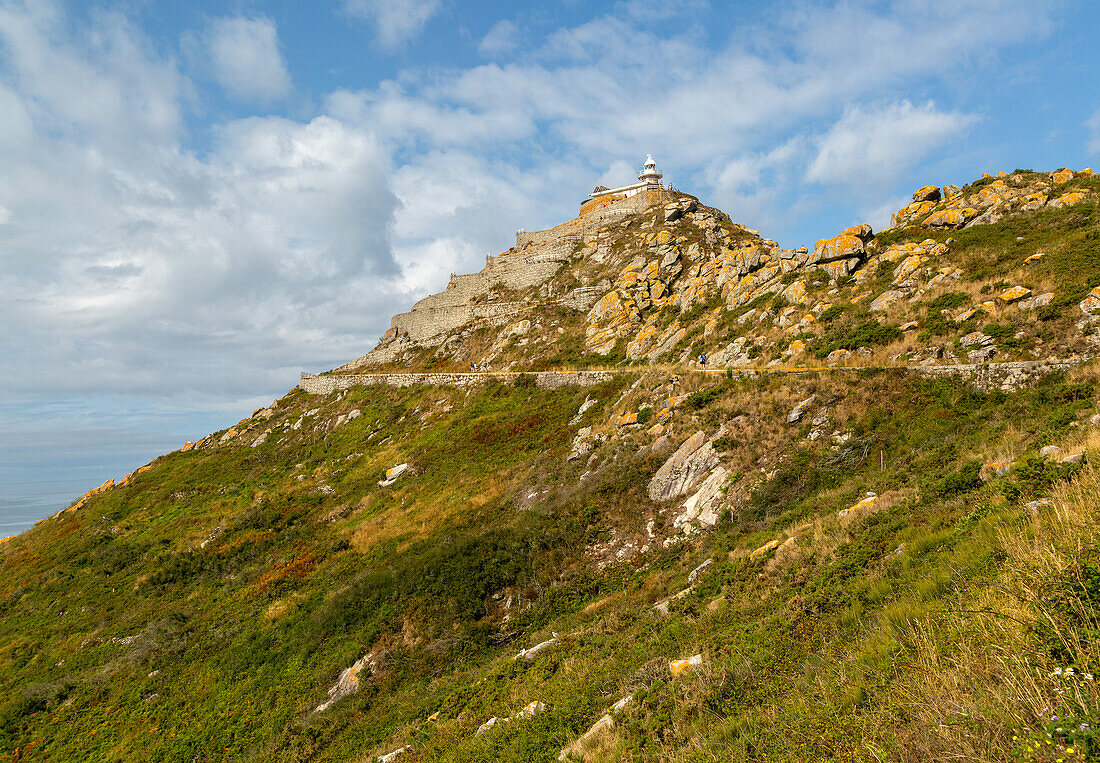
224 648
203 609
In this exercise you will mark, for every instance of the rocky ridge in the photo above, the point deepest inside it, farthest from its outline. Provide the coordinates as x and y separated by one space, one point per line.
675 280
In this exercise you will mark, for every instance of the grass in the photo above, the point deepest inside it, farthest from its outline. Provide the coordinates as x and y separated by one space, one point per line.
202 611
231 645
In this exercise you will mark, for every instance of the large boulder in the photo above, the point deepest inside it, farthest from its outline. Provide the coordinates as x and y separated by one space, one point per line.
683 469
950 218
852 243
927 193
702 508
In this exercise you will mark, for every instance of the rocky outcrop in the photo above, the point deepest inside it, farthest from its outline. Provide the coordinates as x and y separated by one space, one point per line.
683 469
703 507
348 683
841 255
605 722
530 711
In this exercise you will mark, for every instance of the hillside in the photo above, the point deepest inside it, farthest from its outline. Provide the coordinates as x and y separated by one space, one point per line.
528 526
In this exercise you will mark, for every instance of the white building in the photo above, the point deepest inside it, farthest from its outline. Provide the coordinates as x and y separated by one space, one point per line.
649 179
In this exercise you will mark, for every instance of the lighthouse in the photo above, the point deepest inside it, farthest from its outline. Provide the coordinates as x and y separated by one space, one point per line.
648 180
650 176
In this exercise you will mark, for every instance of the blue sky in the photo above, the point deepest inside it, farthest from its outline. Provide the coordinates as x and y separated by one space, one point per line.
199 200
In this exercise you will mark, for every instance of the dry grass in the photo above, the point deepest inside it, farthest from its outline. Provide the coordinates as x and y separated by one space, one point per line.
980 688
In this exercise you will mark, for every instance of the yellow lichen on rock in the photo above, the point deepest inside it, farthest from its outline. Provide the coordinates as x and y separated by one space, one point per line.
680 667
908 267
912 212
1069 199
926 193
1061 176
950 218
772 544
1014 294
843 246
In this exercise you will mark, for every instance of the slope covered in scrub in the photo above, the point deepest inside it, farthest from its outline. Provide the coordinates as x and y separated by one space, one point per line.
846 563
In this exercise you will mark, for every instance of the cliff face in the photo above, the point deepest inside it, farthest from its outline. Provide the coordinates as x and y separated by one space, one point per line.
863 536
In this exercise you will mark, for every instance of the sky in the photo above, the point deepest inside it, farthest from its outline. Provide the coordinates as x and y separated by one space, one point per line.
200 200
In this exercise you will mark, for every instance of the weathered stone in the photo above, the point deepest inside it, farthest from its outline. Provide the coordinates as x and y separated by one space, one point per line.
582 444
529 654
796 413
769 546
796 293
838 269
1050 451
842 247
1069 199
1090 304
975 339
950 218
682 667
907 268
586 406
837 356
605 722
392 756
695 573
862 231
1014 294
1061 176
702 507
393 473
927 193
911 213
348 683
884 300
981 355
1040 300
683 469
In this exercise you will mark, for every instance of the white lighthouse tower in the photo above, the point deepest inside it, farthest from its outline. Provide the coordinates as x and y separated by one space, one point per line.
648 180
650 176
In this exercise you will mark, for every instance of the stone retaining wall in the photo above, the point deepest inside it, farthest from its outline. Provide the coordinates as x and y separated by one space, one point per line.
1006 376
323 385
986 376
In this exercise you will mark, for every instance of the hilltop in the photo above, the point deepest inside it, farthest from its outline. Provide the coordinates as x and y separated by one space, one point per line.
529 525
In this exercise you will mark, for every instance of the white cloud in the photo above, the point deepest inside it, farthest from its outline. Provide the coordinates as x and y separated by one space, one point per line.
502 37
395 21
139 267
869 147
245 58
1094 133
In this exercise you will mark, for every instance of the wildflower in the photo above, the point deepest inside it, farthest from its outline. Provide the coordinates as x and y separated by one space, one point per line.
1088 676
1069 671
1057 672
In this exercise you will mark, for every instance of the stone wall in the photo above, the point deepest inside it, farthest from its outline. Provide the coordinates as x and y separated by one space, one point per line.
986 376
1005 376
323 385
